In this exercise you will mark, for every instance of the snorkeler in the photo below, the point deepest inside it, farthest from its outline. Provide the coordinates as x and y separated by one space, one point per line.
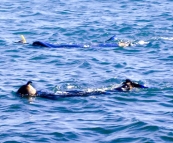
103 45
28 90
128 85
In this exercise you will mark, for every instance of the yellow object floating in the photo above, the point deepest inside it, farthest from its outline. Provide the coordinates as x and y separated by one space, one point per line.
23 39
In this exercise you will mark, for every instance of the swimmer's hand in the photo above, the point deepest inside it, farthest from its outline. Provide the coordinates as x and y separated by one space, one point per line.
124 44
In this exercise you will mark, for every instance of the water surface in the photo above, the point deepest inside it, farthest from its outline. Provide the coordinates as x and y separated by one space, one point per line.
137 116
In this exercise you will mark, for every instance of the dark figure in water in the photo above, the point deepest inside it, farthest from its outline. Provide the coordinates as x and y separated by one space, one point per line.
128 85
103 45
29 91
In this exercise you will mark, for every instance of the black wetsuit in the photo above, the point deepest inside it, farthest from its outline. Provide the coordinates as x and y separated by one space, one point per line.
71 93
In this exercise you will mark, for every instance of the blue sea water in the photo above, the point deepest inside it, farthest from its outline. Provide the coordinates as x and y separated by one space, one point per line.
138 116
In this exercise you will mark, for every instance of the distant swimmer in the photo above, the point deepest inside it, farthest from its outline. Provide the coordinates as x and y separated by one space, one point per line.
95 45
27 89
128 85
102 45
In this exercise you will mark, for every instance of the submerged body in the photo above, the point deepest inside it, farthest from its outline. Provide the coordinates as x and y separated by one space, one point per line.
29 91
101 45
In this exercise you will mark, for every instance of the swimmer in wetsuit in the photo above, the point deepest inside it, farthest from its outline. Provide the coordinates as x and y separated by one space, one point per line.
28 90
104 45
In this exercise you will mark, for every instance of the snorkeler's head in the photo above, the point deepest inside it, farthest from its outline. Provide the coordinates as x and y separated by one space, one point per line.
127 81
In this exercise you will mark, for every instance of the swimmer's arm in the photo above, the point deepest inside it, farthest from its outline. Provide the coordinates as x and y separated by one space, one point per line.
139 85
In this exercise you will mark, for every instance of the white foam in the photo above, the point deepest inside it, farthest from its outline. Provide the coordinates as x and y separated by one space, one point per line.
141 42
167 38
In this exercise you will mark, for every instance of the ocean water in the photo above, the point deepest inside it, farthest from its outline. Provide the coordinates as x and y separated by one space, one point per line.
138 116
